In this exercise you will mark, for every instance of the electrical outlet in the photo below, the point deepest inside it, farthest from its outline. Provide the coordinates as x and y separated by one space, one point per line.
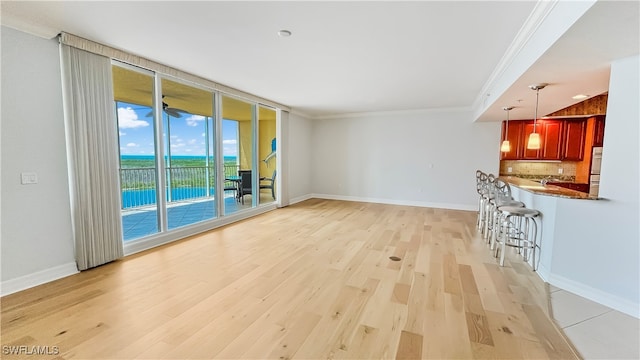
509 169
28 178
560 170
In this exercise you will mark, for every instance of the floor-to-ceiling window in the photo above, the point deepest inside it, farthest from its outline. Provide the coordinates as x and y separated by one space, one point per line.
267 153
238 134
189 162
134 94
182 159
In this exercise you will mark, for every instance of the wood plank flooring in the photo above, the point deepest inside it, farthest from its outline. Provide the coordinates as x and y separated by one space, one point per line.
310 281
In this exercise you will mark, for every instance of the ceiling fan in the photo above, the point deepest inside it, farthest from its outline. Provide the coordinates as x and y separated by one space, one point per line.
175 112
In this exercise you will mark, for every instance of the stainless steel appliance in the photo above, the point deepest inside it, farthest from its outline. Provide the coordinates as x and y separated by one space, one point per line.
594 178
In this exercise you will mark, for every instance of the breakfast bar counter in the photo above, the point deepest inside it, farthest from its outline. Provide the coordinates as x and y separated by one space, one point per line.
550 190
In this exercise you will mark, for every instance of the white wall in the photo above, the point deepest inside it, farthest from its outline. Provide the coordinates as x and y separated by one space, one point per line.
422 158
36 233
597 251
299 153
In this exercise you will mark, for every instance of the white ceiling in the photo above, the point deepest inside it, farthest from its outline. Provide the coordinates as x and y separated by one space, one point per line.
346 57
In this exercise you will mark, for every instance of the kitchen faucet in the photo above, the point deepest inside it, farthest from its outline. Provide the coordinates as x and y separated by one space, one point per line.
546 179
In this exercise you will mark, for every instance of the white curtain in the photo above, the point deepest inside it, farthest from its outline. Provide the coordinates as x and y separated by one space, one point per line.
92 141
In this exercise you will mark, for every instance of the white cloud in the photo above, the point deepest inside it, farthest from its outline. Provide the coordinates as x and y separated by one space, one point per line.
203 134
230 151
128 119
192 141
188 150
132 145
230 142
173 146
122 133
194 119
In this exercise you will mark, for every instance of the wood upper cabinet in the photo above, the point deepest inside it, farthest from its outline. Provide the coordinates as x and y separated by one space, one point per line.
559 139
551 136
514 135
574 139
598 134
527 129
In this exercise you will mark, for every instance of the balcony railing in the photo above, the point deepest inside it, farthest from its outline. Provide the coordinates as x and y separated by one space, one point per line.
183 184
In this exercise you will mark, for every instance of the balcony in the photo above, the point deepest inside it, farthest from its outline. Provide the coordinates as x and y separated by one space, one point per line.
190 197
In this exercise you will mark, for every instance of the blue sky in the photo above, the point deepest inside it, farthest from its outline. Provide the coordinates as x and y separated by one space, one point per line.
187 132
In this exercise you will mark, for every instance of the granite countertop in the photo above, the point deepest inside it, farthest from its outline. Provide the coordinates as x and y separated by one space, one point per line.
549 190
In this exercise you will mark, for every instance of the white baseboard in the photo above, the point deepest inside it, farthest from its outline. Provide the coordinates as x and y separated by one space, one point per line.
300 199
38 278
426 204
599 296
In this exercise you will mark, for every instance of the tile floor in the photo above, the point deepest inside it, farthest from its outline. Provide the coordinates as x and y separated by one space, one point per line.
596 331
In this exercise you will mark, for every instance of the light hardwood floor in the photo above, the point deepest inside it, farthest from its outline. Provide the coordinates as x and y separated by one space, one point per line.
310 281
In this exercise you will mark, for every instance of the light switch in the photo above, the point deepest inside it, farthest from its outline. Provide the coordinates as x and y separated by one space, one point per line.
28 178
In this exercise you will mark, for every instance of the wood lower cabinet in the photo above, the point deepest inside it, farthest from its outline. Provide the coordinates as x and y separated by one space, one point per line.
573 186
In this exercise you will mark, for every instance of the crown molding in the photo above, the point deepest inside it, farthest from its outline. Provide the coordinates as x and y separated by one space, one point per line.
392 113
539 13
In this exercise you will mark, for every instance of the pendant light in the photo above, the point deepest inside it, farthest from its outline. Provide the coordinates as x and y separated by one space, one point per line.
506 146
534 138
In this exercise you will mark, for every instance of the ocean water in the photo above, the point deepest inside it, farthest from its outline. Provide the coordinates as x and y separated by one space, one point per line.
146 197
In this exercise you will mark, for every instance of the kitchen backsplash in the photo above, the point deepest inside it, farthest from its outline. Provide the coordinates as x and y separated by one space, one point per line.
538 170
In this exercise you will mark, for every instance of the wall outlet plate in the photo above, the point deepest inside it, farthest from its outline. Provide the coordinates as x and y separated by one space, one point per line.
560 170
28 178
509 169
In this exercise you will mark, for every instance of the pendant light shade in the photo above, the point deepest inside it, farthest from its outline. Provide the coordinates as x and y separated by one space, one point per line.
506 146
533 142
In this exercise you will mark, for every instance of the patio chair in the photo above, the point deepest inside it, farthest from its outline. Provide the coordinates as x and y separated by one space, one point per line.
269 183
245 184
231 186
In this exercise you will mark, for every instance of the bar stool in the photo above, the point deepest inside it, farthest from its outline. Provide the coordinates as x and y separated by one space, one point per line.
501 196
488 193
481 188
498 204
518 229
498 191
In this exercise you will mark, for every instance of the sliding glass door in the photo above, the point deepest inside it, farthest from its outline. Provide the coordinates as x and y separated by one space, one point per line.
267 154
189 162
238 139
171 174
134 94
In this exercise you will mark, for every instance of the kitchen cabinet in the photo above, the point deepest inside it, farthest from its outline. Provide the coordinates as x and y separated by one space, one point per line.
551 134
559 139
550 140
514 135
598 133
527 129
573 186
574 139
